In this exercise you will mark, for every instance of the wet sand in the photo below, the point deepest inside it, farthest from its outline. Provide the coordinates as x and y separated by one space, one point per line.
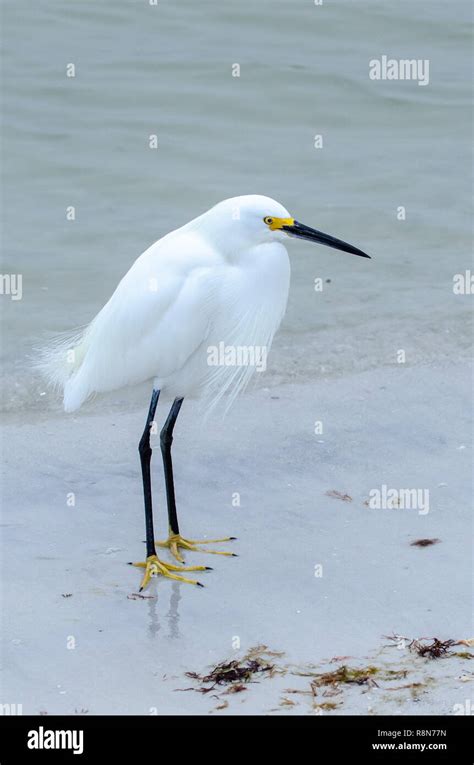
316 576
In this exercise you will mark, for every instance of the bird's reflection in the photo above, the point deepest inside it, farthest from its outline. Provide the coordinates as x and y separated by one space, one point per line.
172 614
154 623
173 611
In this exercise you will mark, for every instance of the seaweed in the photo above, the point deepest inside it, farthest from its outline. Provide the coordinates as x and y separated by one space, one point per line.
339 495
235 673
232 672
341 675
424 542
138 596
326 706
345 674
431 648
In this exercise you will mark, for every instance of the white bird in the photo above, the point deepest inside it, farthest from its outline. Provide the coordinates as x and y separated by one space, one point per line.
219 282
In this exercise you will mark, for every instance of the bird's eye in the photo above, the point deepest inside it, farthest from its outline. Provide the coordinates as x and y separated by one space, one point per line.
268 220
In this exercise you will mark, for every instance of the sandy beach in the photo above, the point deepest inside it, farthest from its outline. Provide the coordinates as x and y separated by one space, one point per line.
317 575
368 393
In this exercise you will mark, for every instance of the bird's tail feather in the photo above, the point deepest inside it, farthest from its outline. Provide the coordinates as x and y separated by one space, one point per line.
59 361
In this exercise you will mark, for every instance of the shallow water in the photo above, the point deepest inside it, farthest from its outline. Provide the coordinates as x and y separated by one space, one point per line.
167 70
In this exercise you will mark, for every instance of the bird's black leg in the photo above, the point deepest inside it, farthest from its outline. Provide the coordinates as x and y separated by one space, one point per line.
166 439
153 565
175 540
145 451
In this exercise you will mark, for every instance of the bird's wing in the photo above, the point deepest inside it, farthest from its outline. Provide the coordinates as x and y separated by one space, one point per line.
157 317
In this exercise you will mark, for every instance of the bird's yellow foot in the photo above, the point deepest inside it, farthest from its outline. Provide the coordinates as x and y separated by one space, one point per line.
175 541
155 567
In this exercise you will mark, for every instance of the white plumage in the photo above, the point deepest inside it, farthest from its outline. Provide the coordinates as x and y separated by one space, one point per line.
223 277
221 280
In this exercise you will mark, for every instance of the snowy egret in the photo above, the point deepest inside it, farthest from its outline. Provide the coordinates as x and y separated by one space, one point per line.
220 281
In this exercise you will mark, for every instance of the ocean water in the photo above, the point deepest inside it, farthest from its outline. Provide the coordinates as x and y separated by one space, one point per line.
167 70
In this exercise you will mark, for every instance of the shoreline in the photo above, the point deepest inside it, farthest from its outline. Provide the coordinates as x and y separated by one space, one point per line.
399 427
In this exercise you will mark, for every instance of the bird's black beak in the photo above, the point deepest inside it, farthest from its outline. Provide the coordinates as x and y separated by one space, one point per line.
305 232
